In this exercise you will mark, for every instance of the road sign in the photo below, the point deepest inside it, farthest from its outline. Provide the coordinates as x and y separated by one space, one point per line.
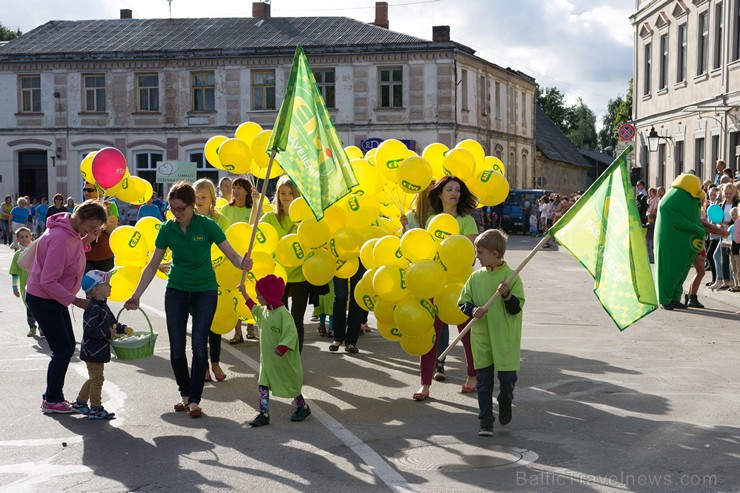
626 131
173 171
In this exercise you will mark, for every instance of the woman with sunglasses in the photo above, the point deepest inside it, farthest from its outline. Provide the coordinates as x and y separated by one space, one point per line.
191 289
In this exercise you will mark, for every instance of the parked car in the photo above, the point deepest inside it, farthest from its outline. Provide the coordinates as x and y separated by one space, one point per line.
512 219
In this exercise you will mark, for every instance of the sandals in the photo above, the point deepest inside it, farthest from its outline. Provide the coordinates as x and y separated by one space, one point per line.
195 412
333 347
181 406
322 331
250 332
236 340
351 349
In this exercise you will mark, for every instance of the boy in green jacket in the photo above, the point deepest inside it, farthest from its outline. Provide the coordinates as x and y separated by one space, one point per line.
496 335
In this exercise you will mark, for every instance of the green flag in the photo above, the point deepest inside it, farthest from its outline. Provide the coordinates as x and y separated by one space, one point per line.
310 150
603 231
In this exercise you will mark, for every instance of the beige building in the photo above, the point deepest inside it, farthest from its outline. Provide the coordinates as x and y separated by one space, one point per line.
686 86
157 89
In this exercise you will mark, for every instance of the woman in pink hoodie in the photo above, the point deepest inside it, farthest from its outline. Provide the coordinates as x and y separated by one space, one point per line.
53 284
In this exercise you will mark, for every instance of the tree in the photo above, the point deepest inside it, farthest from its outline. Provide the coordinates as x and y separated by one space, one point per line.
618 111
8 34
553 104
582 130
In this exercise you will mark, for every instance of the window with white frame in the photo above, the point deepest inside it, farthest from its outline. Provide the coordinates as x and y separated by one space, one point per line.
263 90
30 93
699 157
719 28
714 150
147 89
483 96
203 87
146 168
498 100
663 80
391 87
203 169
661 164
647 67
464 89
682 52
702 43
94 93
325 82
679 159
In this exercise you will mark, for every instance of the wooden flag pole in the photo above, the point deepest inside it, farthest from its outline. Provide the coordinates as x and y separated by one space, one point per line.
467 328
259 209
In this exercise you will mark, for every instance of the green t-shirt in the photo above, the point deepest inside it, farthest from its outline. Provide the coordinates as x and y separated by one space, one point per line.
191 253
496 338
466 222
236 214
287 227
15 270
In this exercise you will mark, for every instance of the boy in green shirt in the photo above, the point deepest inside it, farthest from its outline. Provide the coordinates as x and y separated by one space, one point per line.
496 335
20 277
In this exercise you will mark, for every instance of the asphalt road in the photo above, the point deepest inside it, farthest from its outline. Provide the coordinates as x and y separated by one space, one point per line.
653 408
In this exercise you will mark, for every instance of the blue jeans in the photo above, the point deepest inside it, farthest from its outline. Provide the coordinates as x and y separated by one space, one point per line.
722 263
506 383
347 329
443 341
178 305
54 320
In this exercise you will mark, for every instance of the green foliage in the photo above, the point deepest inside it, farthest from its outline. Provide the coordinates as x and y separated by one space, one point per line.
8 34
582 130
552 102
618 111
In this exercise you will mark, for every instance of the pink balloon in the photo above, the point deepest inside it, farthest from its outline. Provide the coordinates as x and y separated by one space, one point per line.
108 167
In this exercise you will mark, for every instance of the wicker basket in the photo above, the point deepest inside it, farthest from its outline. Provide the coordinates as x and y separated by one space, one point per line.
139 348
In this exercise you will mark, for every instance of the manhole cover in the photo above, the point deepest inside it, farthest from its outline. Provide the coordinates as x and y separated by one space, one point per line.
458 456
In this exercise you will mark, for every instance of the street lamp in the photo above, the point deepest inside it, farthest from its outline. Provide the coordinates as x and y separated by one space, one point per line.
654 139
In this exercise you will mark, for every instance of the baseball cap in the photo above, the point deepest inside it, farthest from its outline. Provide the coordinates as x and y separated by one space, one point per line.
94 278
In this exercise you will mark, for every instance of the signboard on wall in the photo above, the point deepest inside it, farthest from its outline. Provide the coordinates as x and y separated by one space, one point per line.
174 171
373 142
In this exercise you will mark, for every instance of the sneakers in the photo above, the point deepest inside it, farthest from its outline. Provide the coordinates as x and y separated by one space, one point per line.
80 407
31 331
301 413
504 412
100 413
486 428
439 374
261 420
63 407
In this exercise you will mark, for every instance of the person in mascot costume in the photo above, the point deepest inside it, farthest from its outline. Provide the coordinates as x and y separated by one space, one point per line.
679 236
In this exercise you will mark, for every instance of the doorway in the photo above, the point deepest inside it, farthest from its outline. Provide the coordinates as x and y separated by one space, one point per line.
33 174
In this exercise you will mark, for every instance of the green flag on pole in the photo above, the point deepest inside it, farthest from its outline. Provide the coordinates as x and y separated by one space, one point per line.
309 148
603 231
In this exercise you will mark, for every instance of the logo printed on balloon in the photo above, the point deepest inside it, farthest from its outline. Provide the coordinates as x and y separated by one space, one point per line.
333 250
429 307
134 239
410 186
438 233
217 261
403 278
394 163
486 175
368 302
251 277
260 237
298 250
399 253
353 204
395 332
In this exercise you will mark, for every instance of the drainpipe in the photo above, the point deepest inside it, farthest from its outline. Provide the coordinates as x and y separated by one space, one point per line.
455 124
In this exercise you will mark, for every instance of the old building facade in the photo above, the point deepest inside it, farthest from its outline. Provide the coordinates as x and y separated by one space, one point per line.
686 86
157 89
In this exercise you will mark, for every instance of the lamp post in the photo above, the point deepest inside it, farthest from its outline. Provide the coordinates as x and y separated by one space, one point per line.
654 139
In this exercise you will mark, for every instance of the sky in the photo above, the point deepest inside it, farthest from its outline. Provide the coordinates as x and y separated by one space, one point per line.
582 47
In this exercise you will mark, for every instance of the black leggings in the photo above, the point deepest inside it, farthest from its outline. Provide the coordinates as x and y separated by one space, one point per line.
711 247
298 291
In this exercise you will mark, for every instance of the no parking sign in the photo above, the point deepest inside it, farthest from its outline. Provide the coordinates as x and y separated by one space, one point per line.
626 131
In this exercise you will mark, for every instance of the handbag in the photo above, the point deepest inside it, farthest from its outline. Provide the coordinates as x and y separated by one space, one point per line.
28 256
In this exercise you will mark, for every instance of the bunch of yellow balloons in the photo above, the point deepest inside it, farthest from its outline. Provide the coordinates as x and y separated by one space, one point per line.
244 153
132 247
132 189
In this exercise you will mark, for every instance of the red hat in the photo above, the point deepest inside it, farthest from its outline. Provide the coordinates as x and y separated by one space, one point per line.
271 288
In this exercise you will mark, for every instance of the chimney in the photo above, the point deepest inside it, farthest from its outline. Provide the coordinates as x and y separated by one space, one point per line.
381 14
260 9
440 34
126 14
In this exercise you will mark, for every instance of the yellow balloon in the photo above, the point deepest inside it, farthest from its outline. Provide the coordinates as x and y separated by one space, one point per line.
425 279
345 244
145 195
367 175
149 228
475 149
443 225
113 191
238 235
457 253
139 262
211 150
235 156
459 163
421 344
459 276
414 175
280 272
384 311
494 163
370 155
261 173
319 267
130 189
263 264
435 154
299 210
389 331
353 152
412 315
123 283
448 310
225 317
361 212
289 251
335 217
417 244
86 168
220 202
240 306
496 188
371 233
259 149
389 157
247 131
127 243
367 254
217 256
366 299
347 268
266 238
387 251
313 233
228 276
390 283
168 215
